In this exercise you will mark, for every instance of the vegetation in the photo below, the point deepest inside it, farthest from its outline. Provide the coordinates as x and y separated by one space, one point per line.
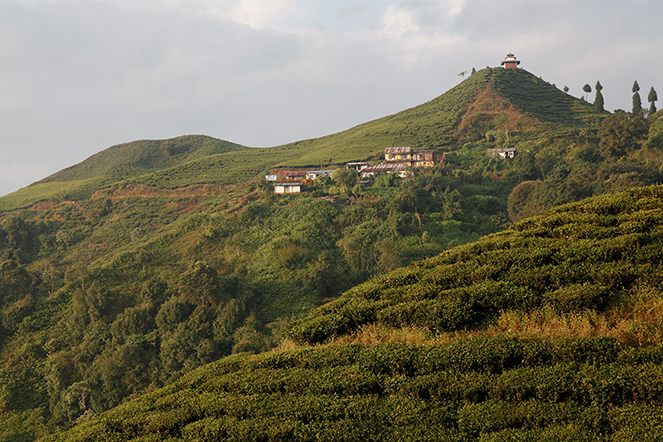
590 256
637 102
444 123
652 97
598 258
598 101
132 271
587 89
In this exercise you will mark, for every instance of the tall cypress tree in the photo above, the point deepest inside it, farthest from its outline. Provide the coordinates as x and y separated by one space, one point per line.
598 101
637 102
652 97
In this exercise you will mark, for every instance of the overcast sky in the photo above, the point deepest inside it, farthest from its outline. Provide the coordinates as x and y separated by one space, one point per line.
78 76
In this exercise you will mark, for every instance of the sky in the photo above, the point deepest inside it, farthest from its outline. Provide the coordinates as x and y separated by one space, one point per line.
79 76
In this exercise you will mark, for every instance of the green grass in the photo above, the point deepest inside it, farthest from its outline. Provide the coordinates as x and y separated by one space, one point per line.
41 191
118 164
541 100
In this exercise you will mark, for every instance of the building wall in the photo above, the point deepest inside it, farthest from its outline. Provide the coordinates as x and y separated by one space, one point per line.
287 189
398 157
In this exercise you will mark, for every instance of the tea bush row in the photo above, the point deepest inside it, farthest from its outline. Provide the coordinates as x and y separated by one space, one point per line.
540 262
604 402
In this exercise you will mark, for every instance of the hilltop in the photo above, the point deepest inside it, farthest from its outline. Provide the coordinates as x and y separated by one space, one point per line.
490 101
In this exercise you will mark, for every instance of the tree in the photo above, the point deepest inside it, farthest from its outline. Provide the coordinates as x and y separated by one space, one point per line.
524 164
598 101
652 97
637 102
621 134
345 177
200 284
587 89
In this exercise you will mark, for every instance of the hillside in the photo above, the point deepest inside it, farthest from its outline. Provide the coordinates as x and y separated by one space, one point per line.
155 258
550 330
596 256
491 100
116 164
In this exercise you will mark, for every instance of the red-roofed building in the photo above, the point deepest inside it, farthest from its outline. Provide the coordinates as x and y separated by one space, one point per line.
510 62
424 158
411 157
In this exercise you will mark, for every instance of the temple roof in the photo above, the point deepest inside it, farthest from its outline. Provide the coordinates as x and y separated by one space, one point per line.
510 58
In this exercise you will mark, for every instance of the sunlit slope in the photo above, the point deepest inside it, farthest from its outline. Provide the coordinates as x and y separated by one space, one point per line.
491 99
483 389
578 261
595 255
117 164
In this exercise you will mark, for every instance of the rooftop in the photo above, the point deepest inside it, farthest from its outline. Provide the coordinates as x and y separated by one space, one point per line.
397 150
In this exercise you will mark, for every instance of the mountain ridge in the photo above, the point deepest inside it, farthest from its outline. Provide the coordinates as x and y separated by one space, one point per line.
431 125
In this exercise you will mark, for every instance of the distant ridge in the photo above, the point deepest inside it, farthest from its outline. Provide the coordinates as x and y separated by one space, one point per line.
139 157
492 98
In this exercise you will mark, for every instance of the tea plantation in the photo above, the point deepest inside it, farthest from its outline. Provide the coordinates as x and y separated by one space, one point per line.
600 256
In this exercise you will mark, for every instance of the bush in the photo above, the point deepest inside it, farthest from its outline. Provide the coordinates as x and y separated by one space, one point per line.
318 329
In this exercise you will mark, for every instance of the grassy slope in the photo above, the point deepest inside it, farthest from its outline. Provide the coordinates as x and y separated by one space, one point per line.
539 99
598 257
116 164
199 159
593 255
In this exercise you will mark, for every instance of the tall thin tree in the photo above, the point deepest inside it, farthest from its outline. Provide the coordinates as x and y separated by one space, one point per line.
637 102
652 97
598 101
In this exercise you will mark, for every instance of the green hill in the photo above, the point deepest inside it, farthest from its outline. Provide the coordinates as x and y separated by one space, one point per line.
123 274
490 100
116 164
592 270
596 255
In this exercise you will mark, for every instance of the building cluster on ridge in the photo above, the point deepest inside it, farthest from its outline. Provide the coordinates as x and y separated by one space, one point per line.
396 159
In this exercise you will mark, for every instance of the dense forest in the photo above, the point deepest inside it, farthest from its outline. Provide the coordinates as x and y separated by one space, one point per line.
549 330
122 285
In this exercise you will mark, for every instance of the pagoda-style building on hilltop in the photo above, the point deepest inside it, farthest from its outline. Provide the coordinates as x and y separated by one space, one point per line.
510 62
